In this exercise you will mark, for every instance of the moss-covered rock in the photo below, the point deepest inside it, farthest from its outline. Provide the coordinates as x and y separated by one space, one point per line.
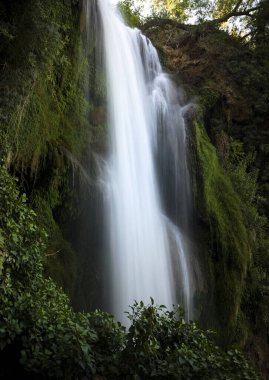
230 250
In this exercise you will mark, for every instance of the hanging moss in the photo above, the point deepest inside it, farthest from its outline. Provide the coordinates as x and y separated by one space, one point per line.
51 115
45 105
230 252
45 127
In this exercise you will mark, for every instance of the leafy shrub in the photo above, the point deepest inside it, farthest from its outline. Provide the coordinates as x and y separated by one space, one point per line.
52 340
160 344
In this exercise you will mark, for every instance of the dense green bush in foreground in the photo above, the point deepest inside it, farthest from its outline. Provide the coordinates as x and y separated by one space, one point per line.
46 337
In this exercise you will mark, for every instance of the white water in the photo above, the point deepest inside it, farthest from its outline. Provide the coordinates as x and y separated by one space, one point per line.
143 108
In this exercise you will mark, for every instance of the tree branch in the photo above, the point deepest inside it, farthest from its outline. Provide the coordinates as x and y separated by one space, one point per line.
237 6
247 12
54 253
246 35
161 22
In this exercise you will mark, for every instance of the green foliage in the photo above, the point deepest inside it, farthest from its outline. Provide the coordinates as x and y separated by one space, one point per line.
243 18
208 10
233 210
21 240
51 339
255 302
230 242
160 344
43 74
60 259
109 344
44 113
130 13
177 10
260 25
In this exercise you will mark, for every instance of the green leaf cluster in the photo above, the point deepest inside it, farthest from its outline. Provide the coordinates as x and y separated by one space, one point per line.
35 316
49 338
130 13
160 344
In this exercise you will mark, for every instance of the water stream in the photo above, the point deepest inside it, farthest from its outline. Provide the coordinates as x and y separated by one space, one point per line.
145 176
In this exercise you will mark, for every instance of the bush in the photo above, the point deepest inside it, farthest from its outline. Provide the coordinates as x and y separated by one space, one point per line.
160 344
51 340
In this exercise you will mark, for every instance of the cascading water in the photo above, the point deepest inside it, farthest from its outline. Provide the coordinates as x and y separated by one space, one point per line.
148 255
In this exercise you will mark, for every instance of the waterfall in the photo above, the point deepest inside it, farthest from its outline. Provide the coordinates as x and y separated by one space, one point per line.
145 177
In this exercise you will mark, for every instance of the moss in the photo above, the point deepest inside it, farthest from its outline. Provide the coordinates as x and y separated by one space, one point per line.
60 259
45 106
45 125
50 116
230 252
